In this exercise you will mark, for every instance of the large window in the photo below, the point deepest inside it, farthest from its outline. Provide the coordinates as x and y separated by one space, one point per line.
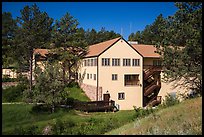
135 62
157 62
121 96
126 62
115 62
131 80
105 61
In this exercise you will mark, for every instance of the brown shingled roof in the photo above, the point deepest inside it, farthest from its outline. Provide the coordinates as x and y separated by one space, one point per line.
146 50
42 52
97 49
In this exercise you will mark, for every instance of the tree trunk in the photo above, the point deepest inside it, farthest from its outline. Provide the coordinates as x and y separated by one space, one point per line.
31 70
64 72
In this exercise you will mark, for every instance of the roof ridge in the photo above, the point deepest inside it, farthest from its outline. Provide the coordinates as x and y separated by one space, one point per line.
104 41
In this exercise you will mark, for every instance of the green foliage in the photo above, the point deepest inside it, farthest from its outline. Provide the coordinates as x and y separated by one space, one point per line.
170 100
29 130
34 31
93 37
49 86
69 45
13 93
140 112
8 32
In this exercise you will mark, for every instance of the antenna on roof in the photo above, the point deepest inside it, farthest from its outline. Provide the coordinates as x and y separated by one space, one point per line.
121 32
130 26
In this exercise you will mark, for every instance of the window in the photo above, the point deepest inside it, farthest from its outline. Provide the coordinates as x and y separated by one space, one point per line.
105 61
135 62
92 60
85 62
121 96
87 76
95 62
90 76
131 80
79 76
126 62
115 62
114 76
157 62
94 76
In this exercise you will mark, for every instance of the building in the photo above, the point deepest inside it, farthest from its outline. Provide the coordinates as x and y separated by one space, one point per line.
130 74
127 72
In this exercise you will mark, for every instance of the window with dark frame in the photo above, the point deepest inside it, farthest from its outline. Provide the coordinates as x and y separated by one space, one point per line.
114 76
157 62
121 96
94 76
105 61
87 75
135 62
126 62
131 80
115 62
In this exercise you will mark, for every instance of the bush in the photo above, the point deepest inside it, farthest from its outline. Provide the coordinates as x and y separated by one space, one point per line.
73 84
29 130
170 100
13 93
140 112
6 78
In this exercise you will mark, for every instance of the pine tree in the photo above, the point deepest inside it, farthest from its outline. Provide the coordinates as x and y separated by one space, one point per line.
33 32
69 45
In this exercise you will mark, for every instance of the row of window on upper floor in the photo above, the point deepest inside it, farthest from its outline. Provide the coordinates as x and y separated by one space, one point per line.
115 62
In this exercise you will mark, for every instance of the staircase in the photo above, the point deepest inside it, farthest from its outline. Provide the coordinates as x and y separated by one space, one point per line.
152 85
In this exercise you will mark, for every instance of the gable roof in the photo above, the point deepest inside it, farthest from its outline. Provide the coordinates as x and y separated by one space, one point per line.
147 51
97 49
42 52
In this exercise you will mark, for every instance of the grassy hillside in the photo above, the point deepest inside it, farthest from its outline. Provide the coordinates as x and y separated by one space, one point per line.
19 119
184 118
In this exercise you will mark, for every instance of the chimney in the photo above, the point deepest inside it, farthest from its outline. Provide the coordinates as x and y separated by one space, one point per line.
133 42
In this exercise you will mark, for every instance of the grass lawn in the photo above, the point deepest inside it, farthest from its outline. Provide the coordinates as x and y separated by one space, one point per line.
15 117
182 119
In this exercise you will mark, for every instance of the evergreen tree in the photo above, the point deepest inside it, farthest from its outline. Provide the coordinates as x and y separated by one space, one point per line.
33 32
9 27
181 47
69 45
49 86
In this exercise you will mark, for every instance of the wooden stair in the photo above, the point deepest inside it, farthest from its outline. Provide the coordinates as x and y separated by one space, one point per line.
152 88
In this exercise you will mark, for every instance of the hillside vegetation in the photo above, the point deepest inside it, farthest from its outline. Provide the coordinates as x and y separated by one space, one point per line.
182 119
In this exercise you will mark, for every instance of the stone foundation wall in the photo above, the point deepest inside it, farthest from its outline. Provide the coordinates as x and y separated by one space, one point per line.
90 91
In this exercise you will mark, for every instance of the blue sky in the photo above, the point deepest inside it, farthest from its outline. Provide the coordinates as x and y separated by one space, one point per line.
121 17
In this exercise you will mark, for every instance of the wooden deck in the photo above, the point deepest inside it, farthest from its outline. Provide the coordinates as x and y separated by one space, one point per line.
94 106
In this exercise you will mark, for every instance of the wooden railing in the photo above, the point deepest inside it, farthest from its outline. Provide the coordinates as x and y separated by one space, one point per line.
95 106
151 70
154 101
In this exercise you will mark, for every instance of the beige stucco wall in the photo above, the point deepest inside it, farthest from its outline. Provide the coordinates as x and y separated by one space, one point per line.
84 70
172 87
11 73
133 94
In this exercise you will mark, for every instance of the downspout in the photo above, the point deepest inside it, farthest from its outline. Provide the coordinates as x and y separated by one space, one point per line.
97 80
142 82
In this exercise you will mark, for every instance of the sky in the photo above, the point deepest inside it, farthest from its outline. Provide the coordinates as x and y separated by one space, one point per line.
121 17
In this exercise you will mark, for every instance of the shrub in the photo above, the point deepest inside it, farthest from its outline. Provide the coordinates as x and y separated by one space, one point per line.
29 130
13 93
140 112
170 100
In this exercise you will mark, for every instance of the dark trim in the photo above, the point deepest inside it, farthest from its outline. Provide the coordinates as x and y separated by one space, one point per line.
142 83
110 46
90 57
97 79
